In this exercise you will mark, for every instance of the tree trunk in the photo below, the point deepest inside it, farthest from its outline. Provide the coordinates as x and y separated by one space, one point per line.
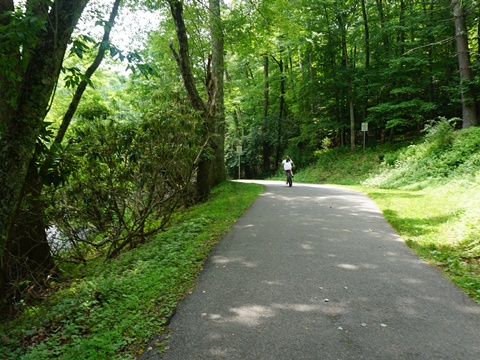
266 94
381 15
25 105
367 35
183 62
401 32
367 61
352 124
28 253
72 108
469 114
183 57
218 70
349 83
281 112
208 173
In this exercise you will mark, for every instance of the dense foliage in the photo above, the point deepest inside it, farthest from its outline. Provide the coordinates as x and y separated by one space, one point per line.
441 156
303 71
129 179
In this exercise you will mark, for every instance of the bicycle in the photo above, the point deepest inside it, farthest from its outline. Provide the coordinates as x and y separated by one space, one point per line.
289 178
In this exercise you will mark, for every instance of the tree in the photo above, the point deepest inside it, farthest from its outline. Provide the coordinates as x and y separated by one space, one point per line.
469 113
211 170
218 70
33 45
28 256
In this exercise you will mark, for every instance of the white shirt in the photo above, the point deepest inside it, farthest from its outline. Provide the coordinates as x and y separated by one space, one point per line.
287 165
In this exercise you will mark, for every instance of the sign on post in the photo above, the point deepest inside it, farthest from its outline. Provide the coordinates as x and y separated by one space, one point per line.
239 152
364 129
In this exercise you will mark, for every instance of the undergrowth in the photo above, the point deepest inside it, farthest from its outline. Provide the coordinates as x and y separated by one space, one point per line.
109 309
445 155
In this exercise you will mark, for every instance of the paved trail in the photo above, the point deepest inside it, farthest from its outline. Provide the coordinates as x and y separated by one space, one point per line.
315 272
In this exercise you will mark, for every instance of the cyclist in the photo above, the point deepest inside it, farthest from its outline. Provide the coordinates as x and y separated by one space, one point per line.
288 166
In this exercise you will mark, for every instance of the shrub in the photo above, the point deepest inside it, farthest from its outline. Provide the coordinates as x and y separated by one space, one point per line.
130 178
443 153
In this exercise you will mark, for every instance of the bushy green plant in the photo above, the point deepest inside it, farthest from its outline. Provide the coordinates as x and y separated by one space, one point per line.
130 177
443 153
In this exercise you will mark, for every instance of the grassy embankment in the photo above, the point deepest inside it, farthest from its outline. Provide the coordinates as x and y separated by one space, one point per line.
429 192
111 309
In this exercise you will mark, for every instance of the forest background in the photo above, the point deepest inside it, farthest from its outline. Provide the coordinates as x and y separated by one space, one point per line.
104 146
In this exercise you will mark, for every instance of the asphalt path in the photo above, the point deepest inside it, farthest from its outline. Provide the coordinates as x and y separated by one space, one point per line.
315 272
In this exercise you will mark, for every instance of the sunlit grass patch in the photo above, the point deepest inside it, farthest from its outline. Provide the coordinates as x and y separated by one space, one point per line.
442 225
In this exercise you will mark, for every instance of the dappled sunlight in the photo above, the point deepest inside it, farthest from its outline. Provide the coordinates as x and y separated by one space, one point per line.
219 352
214 336
389 253
255 315
348 266
316 266
307 246
246 226
358 267
300 307
222 260
246 315
271 282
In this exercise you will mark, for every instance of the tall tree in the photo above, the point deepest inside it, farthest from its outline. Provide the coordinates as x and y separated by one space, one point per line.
33 46
266 94
469 113
218 69
210 172
28 254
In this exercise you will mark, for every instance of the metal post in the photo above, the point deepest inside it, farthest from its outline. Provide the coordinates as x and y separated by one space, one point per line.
239 152
364 130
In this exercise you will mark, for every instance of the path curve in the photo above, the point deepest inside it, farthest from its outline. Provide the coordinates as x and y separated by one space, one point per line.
315 272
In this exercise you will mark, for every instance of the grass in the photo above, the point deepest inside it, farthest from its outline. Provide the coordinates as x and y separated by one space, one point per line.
442 225
111 309
428 191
